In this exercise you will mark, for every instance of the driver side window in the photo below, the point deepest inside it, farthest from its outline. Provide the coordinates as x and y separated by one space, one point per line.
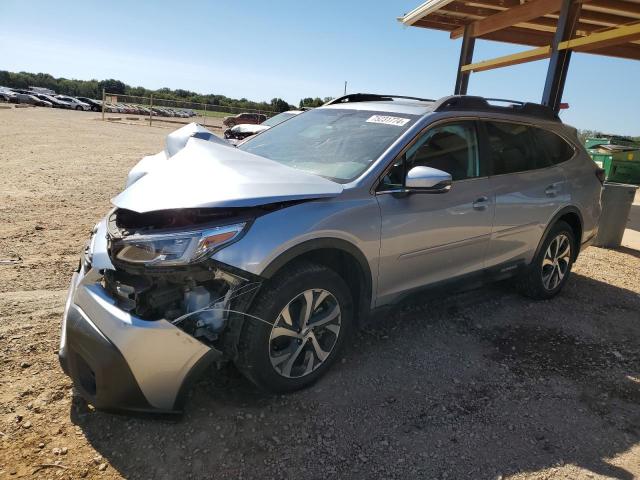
450 147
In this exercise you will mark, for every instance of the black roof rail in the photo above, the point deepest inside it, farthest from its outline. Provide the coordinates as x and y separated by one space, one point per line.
470 102
372 97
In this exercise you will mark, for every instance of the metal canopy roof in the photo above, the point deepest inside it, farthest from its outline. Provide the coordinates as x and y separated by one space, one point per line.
604 27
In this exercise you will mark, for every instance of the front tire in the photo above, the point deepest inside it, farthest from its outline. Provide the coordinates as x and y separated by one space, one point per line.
550 269
78 107
307 314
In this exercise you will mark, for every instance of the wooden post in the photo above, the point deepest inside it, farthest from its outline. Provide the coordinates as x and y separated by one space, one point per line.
151 110
205 115
559 60
466 57
104 98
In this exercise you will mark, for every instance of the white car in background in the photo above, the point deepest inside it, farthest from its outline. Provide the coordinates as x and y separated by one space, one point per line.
244 130
75 103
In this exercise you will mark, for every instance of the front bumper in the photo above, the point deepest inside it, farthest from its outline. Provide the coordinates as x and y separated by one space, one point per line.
123 363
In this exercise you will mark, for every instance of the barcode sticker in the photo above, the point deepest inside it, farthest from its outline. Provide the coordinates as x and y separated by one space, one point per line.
388 120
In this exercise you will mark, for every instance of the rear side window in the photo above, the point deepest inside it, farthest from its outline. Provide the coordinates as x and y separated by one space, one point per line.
558 150
517 148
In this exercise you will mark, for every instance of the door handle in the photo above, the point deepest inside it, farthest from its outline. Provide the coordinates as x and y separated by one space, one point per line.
480 203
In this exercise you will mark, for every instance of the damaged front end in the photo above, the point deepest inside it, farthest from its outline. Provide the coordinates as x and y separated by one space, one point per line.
162 268
148 310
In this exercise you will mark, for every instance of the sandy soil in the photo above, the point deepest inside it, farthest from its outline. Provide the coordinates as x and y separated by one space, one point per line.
480 385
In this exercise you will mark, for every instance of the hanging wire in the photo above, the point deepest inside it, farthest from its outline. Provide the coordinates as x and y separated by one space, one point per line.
247 288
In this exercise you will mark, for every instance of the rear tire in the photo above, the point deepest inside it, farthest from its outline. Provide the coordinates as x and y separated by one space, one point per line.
290 352
550 269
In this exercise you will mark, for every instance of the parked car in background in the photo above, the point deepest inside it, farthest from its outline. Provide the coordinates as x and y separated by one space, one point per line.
244 130
56 102
96 105
7 95
32 100
244 118
74 102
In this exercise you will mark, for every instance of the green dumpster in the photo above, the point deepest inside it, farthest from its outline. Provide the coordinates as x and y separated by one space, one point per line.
619 157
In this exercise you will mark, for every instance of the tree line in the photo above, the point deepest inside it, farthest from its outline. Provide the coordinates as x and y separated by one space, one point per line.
584 134
93 89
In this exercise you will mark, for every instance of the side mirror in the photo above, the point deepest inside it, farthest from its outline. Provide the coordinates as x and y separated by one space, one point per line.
428 180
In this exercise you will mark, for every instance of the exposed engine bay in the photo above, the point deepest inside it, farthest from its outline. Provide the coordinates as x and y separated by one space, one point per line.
197 298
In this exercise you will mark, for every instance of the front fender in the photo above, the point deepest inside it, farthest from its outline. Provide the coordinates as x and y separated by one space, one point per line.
274 239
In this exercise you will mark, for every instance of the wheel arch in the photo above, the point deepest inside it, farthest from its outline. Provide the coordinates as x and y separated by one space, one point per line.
341 256
572 216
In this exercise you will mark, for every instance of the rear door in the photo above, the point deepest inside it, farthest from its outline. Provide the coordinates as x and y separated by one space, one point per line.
427 238
529 189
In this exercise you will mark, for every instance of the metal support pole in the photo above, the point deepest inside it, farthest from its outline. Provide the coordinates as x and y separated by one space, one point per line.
559 60
151 109
104 97
466 57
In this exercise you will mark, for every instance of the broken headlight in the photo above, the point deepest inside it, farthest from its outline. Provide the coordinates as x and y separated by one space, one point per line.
180 248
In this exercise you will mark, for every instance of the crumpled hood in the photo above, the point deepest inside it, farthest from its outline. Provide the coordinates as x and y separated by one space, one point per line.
175 142
206 174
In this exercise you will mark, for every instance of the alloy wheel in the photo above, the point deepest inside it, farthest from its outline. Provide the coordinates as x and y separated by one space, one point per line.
555 263
305 333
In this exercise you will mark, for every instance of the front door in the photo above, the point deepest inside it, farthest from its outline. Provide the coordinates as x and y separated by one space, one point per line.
431 237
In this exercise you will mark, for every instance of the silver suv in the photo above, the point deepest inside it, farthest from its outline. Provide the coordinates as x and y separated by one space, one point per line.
269 254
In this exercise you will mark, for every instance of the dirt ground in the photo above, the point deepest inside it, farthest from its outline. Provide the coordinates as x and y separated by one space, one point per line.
481 385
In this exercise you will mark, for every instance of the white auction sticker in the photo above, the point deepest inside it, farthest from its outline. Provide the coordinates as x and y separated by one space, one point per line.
388 120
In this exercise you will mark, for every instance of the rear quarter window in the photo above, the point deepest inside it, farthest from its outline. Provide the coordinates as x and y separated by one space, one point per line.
557 149
515 147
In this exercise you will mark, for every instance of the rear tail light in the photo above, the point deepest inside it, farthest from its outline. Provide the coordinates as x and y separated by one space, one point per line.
600 173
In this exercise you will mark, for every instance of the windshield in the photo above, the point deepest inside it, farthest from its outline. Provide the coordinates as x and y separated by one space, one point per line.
275 120
338 144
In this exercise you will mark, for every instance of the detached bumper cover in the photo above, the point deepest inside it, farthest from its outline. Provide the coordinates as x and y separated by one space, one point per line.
121 362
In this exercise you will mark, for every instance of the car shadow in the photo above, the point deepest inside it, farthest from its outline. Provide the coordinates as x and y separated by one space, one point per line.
475 385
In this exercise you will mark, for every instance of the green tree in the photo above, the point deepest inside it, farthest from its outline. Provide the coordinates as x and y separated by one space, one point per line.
313 102
112 86
279 105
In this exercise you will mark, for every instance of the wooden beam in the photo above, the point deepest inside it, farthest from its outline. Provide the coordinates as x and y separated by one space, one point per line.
507 60
435 25
617 7
508 18
596 41
520 36
608 14
451 23
543 24
629 51
615 36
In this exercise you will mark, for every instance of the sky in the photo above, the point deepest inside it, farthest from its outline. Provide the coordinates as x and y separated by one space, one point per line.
292 49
